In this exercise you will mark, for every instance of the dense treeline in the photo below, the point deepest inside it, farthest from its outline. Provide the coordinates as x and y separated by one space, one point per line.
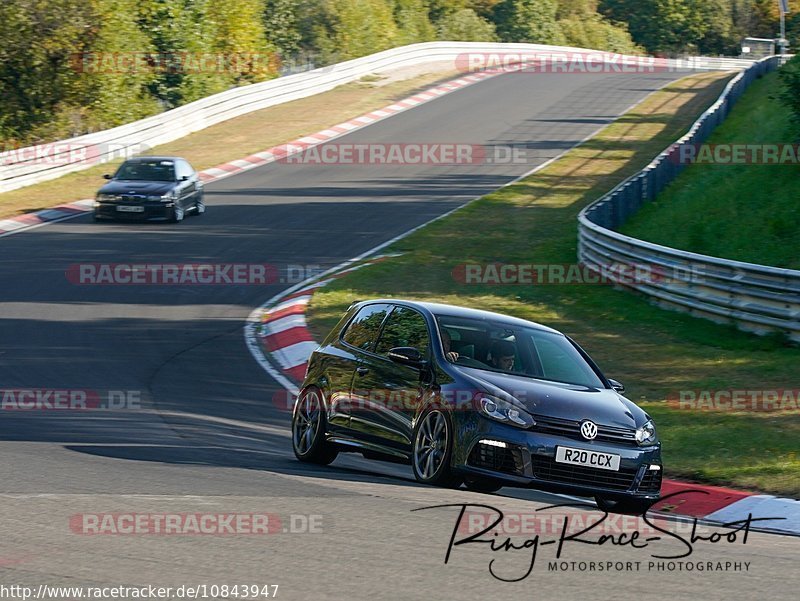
72 66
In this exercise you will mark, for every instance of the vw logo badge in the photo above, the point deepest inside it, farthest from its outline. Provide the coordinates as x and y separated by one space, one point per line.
588 429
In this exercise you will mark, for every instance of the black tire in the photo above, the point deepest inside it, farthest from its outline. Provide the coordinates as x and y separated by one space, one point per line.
199 206
309 426
178 213
432 449
623 506
485 485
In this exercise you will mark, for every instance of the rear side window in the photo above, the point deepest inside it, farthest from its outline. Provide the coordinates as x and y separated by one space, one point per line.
405 327
363 329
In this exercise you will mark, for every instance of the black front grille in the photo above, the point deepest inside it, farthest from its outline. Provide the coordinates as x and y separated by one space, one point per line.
651 482
572 429
497 459
546 468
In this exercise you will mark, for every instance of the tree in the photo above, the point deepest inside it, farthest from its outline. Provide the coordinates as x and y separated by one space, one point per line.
281 27
353 28
789 76
466 26
36 76
413 24
661 26
117 91
233 37
528 21
592 31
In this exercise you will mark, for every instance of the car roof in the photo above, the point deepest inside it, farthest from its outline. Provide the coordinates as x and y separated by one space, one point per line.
141 159
441 309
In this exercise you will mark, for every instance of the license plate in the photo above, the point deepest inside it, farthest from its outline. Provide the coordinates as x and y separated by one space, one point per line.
130 209
602 461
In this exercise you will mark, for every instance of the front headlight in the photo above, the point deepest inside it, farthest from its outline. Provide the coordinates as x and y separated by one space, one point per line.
646 435
503 411
107 197
166 198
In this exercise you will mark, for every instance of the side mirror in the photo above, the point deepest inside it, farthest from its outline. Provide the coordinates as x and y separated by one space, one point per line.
183 178
616 385
107 176
406 355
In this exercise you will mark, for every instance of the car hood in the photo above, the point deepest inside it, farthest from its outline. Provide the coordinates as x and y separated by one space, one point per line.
566 401
123 187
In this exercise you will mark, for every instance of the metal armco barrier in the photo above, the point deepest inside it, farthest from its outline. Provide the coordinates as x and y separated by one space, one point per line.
756 298
176 123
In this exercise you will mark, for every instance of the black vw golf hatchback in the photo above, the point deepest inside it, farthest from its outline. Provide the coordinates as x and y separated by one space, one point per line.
474 397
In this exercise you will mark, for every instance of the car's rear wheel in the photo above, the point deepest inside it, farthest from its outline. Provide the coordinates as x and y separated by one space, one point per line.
309 426
624 506
433 446
482 484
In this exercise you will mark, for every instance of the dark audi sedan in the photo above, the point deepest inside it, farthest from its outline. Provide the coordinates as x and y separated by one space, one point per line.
158 188
478 398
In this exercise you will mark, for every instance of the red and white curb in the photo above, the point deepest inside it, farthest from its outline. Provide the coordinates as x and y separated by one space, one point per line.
29 221
280 333
15 225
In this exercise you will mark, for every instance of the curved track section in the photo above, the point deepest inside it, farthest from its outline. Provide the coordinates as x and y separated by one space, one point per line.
206 435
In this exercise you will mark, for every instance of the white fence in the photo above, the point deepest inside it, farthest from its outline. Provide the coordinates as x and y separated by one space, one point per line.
27 166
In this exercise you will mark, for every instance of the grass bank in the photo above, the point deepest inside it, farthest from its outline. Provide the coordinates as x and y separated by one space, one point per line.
751 212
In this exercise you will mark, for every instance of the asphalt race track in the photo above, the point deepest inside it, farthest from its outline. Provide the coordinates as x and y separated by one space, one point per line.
207 435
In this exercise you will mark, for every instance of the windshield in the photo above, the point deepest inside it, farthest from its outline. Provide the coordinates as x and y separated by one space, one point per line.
522 351
149 171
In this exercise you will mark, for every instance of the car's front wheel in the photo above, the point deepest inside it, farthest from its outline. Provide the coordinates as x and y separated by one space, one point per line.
624 506
433 446
309 425
200 206
177 214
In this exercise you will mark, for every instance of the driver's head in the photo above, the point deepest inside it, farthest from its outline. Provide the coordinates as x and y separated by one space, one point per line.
502 355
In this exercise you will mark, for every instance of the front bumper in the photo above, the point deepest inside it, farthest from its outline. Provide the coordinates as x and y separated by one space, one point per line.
528 460
133 211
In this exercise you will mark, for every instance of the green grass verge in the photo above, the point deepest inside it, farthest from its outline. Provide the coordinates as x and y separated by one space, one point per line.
654 352
750 212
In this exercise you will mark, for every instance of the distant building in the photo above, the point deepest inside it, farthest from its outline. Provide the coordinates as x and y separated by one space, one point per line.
756 48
